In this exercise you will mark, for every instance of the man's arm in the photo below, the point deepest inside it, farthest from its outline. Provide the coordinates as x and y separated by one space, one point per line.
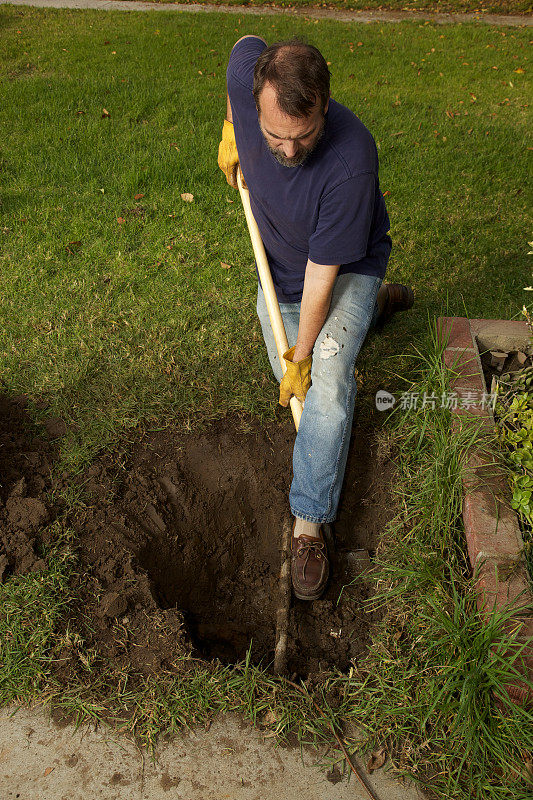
316 298
228 157
229 115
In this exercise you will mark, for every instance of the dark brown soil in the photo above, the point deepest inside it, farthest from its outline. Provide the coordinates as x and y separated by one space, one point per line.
26 459
177 541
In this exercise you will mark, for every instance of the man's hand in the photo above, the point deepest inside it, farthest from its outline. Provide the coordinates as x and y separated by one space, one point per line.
296 380
316 298
228 157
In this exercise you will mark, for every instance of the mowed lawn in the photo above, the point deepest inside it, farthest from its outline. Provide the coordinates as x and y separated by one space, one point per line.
122 303
435 6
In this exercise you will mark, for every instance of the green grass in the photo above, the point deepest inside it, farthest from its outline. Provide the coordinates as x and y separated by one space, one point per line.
514 420
438 6
427 688
436 666
31 607
139 325
139 322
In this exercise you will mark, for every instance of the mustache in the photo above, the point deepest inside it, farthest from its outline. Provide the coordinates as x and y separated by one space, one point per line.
301 155
294 161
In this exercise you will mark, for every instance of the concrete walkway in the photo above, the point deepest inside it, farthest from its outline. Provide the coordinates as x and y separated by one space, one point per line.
310 13
41 761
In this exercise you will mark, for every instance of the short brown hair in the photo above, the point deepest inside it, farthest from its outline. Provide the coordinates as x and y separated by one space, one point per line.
298 73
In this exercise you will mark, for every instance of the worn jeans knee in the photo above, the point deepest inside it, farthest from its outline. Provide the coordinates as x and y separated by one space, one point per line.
321 446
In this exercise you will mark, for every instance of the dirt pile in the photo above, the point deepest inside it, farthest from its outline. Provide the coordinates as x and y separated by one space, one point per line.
26 458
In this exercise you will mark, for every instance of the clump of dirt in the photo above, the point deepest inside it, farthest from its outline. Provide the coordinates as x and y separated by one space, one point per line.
178 543
26 458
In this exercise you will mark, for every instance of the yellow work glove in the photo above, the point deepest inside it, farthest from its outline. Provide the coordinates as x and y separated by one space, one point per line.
228 157
296 380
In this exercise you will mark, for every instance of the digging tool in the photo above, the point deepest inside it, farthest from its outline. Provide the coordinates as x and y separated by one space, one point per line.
276 320
278 329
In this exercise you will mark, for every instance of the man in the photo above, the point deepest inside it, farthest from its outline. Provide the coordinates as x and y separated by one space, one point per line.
311 168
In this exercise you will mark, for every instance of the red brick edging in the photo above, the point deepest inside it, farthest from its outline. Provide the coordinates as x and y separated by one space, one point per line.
494 541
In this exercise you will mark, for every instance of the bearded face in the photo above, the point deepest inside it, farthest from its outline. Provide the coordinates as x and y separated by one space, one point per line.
291 140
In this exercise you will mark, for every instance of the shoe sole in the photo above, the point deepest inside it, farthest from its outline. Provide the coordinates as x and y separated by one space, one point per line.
409 303
411 300
308 596
386 317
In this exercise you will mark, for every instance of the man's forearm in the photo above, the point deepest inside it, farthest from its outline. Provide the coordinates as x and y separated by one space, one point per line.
313 314
316 300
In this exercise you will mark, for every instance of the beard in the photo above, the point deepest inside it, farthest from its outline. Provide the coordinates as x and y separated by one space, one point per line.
301 155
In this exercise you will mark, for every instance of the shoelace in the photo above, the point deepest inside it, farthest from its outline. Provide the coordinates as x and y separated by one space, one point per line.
305 549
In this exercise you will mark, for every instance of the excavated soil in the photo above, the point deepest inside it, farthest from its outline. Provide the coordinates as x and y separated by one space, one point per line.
177 544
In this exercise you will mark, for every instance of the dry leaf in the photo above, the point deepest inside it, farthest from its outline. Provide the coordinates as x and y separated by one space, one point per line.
188 197
105 113
138 196
48 770
386 192
224 265
334 776
376 760
519 71
528 767
269 717
120 220
71 247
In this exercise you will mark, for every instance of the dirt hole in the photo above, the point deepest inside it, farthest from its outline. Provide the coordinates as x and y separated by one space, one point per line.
178 543
201 517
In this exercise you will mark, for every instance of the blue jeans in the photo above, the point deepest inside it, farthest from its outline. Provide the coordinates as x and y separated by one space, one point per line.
321 446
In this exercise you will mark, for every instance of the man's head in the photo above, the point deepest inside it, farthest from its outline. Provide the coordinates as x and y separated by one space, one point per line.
291 91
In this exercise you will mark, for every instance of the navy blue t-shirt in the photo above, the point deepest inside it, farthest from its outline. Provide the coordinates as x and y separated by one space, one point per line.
329 209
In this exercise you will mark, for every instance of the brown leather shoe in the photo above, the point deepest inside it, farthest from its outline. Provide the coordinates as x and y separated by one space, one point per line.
309 566
399 298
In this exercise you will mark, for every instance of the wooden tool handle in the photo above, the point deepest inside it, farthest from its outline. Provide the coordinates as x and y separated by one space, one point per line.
276 320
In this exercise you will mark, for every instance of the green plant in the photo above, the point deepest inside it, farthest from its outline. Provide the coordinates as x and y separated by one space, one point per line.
514 414
437 665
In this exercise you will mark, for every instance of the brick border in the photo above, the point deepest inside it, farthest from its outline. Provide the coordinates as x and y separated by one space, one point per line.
493 537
